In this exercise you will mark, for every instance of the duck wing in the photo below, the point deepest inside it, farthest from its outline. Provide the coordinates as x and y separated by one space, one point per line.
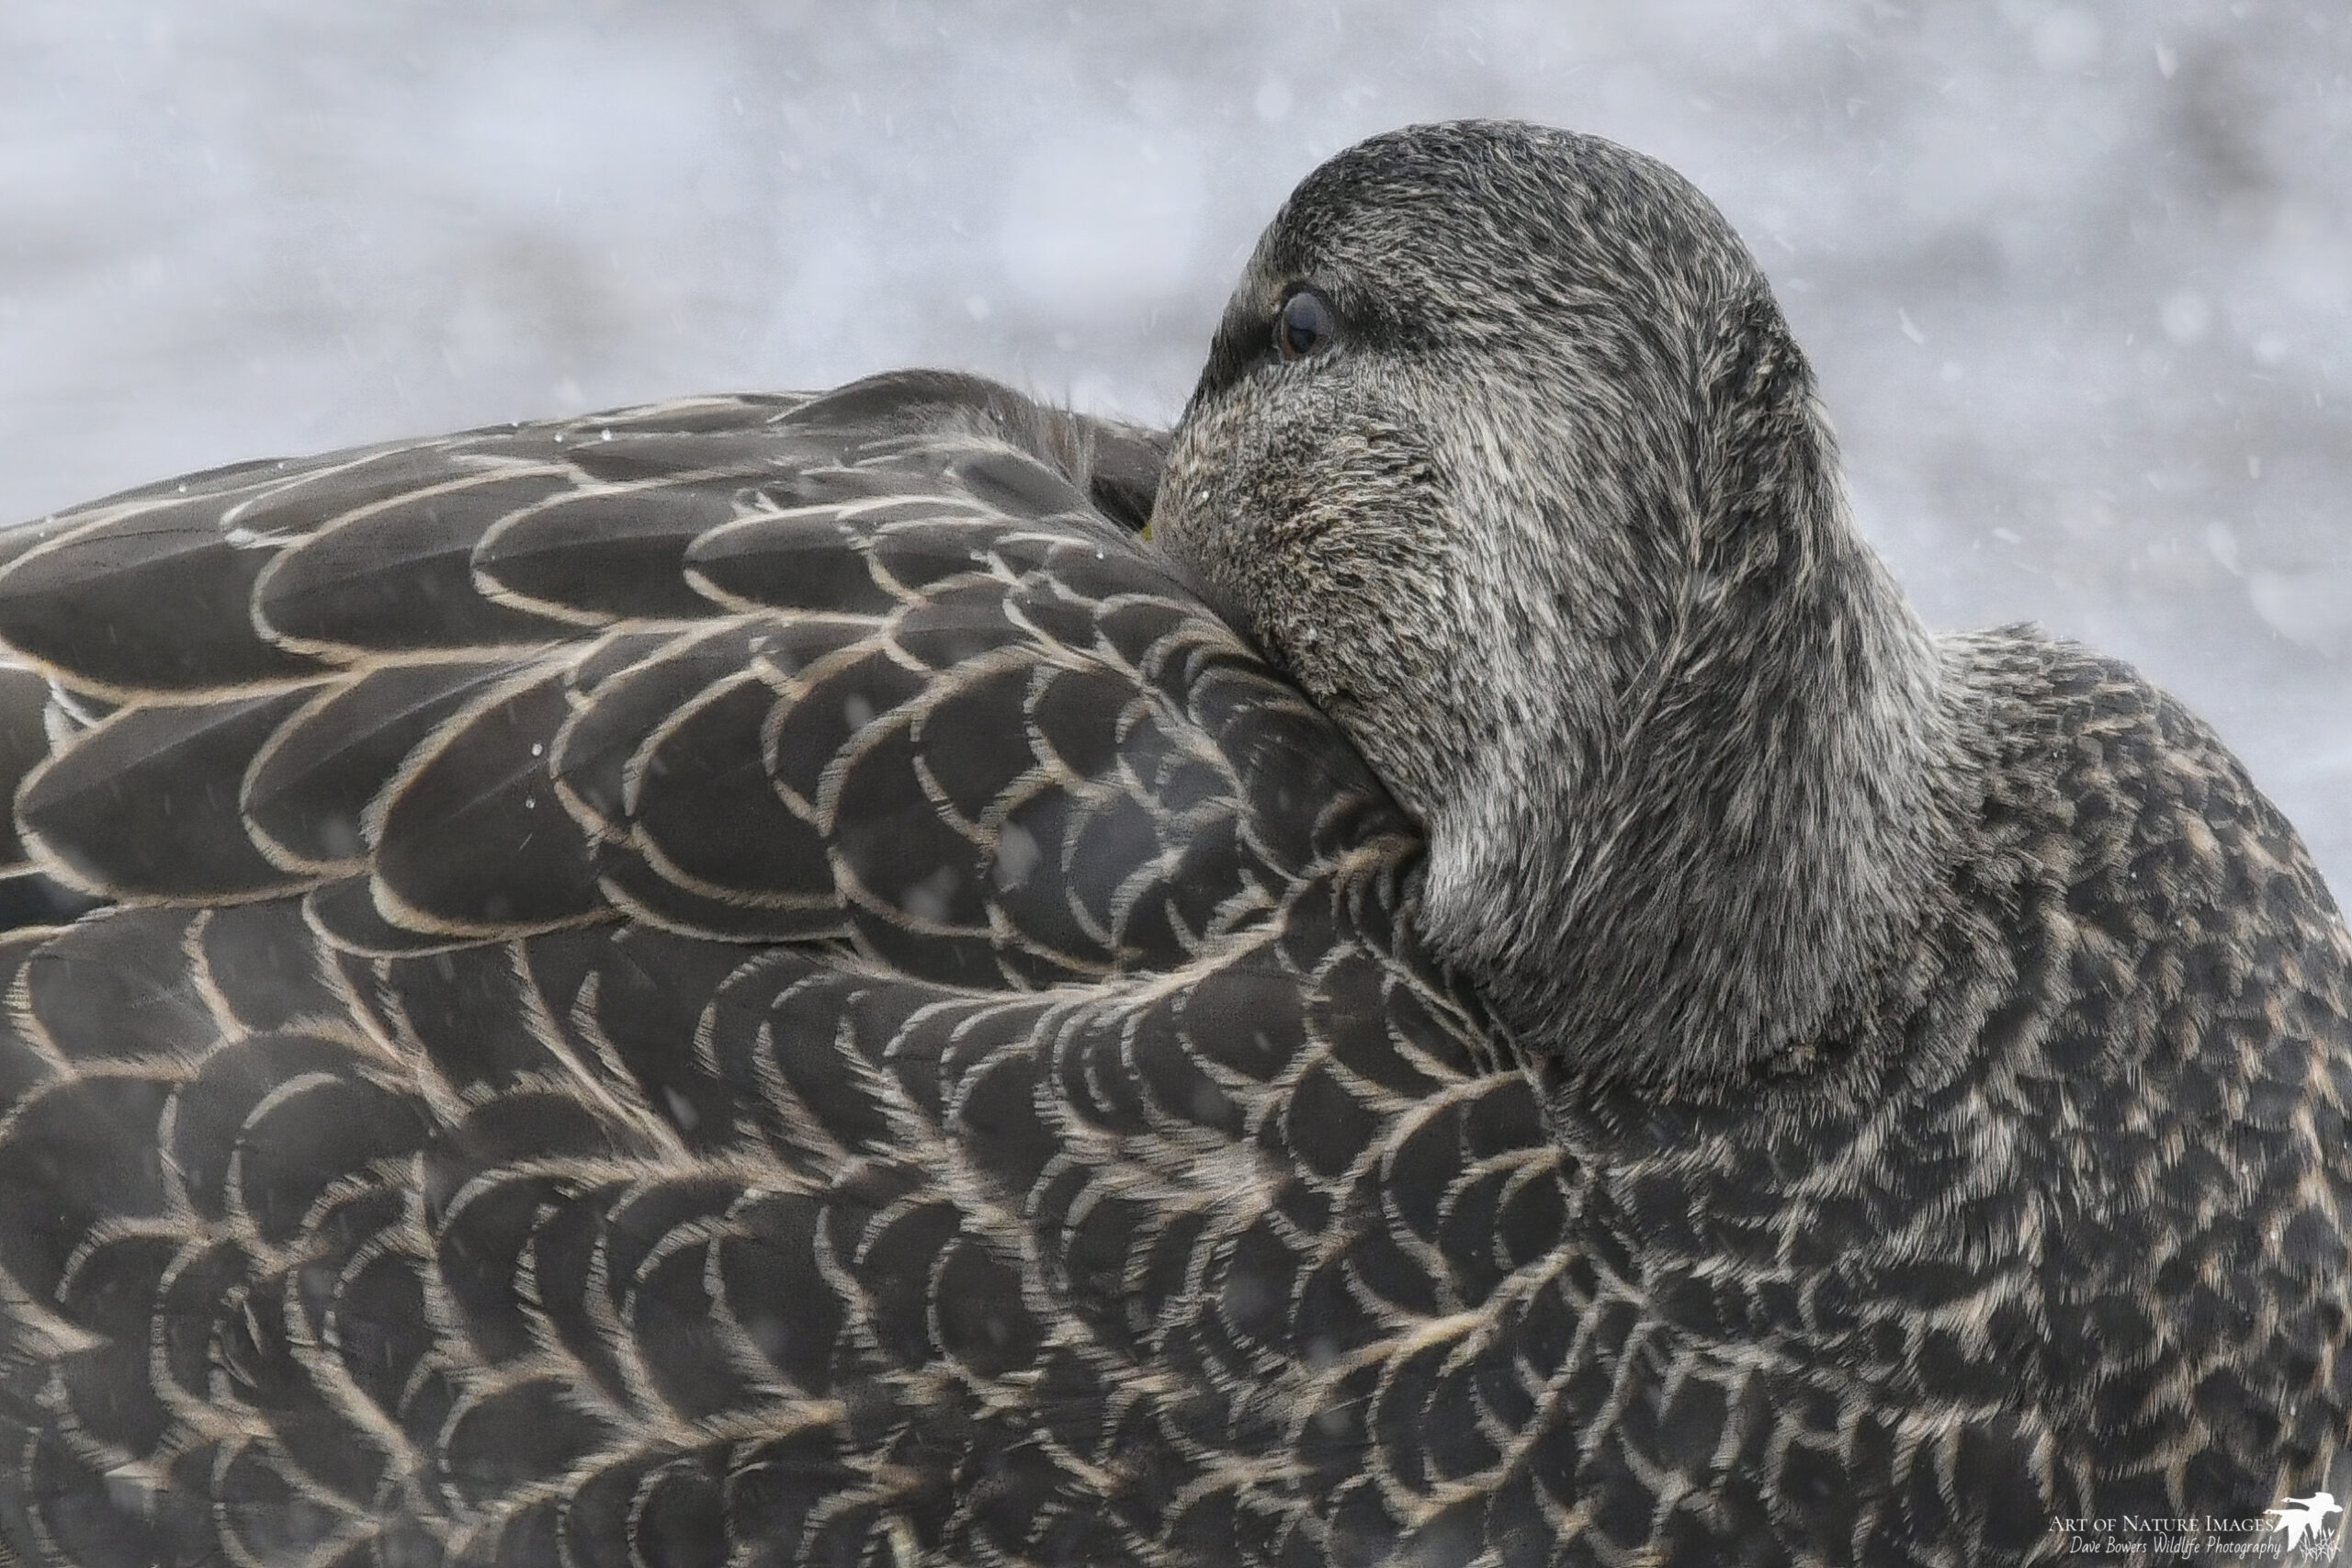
748 980
653 662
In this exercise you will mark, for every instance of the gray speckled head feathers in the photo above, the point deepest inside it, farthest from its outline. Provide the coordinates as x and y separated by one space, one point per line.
1555 529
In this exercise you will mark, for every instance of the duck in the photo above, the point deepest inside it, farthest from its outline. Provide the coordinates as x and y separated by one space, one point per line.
1432 967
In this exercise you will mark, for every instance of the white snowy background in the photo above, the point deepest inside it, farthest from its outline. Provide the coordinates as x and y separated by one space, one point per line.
2077 275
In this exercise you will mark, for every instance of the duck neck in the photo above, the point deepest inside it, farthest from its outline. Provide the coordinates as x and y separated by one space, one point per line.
1725 887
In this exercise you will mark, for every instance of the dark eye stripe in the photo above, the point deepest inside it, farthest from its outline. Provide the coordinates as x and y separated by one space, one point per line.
1304 325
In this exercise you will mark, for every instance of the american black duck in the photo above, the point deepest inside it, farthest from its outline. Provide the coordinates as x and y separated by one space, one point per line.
761 981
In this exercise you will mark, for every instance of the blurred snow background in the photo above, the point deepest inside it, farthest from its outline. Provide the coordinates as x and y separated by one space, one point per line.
2077 275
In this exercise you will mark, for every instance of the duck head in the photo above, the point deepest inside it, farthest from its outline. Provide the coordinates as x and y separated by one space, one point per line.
1504 453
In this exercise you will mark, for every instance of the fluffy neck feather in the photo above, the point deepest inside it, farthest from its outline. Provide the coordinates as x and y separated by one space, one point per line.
1725 887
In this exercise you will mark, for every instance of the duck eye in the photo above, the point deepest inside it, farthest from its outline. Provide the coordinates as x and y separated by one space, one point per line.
1304 325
